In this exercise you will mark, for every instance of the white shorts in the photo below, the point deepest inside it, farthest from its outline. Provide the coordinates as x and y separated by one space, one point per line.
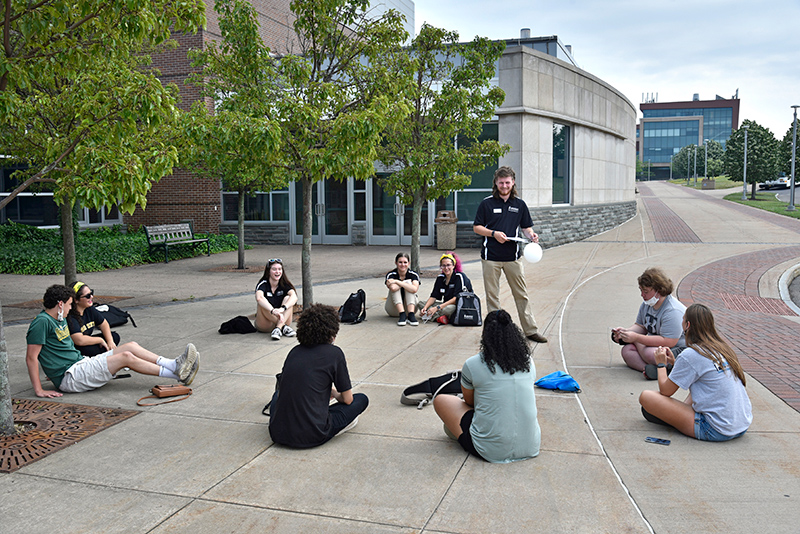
87 374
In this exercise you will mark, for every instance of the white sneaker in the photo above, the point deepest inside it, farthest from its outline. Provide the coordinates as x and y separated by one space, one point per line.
276 334
288 331
185 363
348 427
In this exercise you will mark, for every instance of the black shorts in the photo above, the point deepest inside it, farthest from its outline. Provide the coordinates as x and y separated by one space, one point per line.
465 439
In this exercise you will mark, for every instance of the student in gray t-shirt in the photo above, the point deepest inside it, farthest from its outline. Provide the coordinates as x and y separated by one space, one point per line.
658 323
717 408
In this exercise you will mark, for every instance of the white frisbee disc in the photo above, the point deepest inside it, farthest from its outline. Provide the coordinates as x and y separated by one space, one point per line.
532 252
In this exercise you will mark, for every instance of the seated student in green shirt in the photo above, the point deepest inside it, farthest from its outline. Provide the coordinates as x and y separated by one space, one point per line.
50 345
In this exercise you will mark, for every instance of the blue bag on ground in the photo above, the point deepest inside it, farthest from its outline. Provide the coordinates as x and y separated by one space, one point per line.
558 380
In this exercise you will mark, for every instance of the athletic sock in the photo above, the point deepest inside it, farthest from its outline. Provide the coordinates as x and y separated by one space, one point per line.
167 363
167 373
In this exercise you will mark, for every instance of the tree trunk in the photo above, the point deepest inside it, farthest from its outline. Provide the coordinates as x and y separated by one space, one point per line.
6 409
308 226
68 242
753 191
416 228
241 230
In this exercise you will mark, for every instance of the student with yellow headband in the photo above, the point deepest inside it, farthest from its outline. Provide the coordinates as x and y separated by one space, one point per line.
442 302
83 318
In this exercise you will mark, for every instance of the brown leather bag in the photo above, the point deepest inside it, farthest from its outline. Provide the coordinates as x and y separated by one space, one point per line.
163 391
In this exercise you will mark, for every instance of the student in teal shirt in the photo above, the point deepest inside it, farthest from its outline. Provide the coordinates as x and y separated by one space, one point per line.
497 419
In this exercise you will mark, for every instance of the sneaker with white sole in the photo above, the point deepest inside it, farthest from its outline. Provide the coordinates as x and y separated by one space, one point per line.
288 331
185 363
401 321
189 379
276 334
353 423
412 319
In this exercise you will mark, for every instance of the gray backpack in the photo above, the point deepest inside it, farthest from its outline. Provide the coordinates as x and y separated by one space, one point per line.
468 310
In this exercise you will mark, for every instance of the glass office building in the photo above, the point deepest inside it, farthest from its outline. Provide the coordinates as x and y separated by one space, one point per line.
665 128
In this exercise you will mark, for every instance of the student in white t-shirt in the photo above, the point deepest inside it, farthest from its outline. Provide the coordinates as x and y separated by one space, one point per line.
717 408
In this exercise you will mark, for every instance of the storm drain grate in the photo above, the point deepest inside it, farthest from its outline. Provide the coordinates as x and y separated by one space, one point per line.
756 304
54 426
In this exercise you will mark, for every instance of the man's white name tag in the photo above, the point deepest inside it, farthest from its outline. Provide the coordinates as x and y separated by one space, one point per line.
497 210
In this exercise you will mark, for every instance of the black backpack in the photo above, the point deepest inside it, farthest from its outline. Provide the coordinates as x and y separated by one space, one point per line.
468 310
114 315
354 309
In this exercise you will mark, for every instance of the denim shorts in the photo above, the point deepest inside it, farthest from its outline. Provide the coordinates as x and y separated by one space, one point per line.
705 432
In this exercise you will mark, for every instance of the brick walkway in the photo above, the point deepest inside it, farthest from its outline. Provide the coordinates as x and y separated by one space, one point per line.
669 228
767 342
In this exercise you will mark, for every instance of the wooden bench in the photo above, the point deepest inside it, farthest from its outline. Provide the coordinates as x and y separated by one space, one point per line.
164 235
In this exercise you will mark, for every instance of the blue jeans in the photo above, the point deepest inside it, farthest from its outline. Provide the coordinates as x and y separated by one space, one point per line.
703 430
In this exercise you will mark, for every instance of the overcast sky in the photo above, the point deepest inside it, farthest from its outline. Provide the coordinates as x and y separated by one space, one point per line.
672 47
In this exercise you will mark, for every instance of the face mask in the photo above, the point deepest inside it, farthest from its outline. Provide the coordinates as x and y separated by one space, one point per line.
61 314
652 301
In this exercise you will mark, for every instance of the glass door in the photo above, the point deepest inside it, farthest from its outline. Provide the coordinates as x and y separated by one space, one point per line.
330 217
390 222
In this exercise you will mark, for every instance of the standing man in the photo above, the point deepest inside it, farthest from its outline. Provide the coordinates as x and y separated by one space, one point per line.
499 218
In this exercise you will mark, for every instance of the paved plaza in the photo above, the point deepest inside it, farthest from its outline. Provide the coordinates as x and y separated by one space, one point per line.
207 465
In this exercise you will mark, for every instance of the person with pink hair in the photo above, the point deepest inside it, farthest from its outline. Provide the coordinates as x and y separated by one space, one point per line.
451 282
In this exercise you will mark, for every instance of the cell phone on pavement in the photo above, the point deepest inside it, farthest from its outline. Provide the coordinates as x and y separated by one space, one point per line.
657 440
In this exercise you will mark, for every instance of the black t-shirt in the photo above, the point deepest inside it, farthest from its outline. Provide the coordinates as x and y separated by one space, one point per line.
84 324
502 216
275 298
300 416
410 276
445 291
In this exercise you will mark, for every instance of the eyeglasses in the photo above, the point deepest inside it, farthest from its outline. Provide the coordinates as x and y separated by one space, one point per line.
88 295
275 260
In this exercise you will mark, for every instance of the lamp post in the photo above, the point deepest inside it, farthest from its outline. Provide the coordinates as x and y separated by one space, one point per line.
688 160
794 147
694 173
670 166
705 151
744 185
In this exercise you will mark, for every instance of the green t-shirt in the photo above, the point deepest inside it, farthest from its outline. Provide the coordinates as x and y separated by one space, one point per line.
58 351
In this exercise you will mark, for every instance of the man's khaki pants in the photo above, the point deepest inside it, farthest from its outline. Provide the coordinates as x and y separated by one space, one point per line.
515 275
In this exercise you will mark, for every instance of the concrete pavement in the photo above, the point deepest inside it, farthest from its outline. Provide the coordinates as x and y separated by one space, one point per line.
207 464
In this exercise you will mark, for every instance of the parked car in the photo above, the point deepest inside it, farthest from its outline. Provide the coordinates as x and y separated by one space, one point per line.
781 182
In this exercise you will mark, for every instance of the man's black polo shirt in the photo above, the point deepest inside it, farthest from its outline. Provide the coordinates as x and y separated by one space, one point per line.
507 217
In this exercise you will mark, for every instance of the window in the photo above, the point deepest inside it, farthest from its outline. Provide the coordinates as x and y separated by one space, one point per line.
271 206
561 161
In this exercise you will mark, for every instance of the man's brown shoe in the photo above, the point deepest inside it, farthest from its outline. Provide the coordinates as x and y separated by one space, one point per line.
537 338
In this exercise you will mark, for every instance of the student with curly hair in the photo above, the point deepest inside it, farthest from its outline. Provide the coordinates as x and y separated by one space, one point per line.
717 408
658 322
314 375
50 345
497 419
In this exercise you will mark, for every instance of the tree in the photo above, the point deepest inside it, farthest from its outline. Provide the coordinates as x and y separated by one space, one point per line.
335 97
785 152
433 150
77 106
6 409
762 155
643 170
240 143
683 162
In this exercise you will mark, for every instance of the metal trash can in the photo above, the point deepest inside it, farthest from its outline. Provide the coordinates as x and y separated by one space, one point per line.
446 230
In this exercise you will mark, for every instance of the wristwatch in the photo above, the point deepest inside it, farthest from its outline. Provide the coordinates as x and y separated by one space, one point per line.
661 365
492 233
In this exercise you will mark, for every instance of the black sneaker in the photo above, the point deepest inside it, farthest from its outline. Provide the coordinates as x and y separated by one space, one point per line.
412 320
401 321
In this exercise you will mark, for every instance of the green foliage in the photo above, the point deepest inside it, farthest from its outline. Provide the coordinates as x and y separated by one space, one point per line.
77 105
30 250
785 152
683 163
433 150
762 155
764 201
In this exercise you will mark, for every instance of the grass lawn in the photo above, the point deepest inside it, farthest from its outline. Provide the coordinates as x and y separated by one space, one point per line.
765 201
720 182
